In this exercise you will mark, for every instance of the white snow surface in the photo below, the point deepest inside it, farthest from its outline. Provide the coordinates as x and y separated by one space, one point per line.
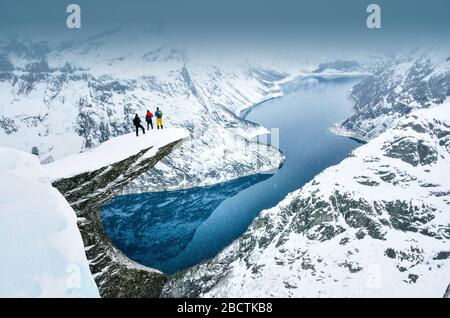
114 150
42 253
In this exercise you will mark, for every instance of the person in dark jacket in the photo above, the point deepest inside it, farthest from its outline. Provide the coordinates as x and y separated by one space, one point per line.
137 124
148 119
159 122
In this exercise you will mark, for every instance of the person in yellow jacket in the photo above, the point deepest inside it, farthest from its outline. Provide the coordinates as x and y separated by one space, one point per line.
159 122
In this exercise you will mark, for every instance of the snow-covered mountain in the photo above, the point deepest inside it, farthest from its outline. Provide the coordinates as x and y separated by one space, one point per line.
399 85
65 97
41 248
375 225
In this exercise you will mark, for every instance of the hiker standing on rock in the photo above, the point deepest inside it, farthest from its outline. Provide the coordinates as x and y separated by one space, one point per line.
137 124
158 115
148 119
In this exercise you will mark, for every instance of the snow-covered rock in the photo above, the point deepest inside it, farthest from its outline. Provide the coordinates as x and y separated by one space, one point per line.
42 253
375 225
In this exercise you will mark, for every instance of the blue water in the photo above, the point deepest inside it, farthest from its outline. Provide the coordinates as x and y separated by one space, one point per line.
174 230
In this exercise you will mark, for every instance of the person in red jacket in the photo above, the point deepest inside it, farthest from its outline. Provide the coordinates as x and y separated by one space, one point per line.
149 119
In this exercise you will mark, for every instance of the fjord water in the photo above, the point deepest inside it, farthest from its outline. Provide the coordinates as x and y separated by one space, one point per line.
174 230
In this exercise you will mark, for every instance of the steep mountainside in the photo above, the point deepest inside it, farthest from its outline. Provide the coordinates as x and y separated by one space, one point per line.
398 86
375 225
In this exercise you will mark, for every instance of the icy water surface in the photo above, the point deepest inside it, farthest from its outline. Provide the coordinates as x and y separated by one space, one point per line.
174 230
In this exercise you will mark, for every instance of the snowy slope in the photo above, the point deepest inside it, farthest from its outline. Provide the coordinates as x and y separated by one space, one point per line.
41 248
375 225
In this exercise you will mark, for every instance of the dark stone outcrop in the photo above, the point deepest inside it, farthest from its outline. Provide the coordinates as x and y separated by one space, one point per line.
412 151
114 273
447 292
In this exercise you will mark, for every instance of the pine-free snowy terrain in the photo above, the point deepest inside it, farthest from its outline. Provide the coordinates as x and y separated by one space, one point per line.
42 253
375 225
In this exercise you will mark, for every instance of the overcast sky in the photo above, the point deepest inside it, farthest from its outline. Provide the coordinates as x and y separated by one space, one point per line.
290 21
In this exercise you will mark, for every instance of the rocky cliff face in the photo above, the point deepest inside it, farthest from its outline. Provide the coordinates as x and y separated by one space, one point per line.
375 225
114 273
